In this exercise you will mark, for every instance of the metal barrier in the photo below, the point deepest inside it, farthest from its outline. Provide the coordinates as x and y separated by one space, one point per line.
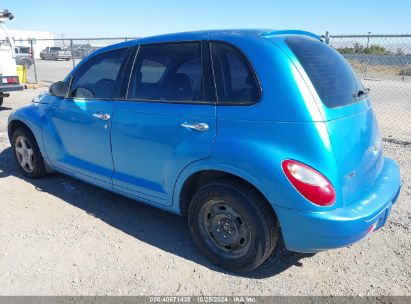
53 59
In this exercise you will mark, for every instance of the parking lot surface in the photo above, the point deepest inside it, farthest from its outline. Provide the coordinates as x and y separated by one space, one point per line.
60 236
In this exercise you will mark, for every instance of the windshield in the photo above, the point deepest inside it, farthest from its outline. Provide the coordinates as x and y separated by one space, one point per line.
335 82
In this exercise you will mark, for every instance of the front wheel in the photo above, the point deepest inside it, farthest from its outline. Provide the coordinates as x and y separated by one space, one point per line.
232 226
1 101
27 154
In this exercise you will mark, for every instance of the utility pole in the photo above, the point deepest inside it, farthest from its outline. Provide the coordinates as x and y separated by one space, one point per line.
368 39
327 37
4 16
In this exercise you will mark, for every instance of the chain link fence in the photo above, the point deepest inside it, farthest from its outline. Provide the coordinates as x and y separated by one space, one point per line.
383 62
52 59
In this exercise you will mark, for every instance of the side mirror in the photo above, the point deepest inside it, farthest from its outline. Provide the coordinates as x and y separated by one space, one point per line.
59 89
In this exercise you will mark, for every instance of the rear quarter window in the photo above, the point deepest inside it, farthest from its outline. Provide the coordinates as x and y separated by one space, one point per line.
235 79
335 82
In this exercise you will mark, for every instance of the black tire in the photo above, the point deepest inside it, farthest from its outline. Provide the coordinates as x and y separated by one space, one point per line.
253 226
39 169
1 101
26 62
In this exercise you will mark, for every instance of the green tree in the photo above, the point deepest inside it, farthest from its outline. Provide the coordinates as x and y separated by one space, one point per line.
346 50
375 49
358 48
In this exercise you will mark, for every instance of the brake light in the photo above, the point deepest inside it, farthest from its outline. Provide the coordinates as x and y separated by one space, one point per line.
311 184
10 80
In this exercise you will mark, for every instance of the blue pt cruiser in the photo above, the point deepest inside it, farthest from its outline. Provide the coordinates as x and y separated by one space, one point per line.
243 131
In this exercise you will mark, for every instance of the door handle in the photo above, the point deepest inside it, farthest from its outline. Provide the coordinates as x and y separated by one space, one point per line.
198 127
102 116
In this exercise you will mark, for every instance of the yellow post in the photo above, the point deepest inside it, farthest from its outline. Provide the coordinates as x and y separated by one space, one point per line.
22 73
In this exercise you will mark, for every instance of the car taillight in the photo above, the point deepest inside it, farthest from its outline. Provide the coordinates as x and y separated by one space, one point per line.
30 53
10 80
311 184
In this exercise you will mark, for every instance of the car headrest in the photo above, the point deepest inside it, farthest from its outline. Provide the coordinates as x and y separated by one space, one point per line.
179 87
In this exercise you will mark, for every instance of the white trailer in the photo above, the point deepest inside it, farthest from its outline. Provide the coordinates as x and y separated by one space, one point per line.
9 80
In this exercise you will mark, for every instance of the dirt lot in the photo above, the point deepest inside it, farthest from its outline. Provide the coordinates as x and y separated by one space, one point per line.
61 236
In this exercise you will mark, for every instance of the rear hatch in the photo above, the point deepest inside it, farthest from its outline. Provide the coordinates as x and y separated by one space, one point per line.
347 112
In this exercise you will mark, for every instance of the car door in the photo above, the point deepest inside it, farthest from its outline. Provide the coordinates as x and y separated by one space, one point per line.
77 134
166 122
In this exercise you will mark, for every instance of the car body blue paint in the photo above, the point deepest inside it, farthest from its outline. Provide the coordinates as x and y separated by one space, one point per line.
316 231
74 139
33 117
145 154
151 148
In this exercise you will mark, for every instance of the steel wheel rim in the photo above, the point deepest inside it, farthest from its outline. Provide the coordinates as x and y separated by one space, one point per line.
224 229
25 154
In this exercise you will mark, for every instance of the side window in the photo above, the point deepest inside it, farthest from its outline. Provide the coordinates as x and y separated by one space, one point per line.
168 72
97 77
235 80
152 70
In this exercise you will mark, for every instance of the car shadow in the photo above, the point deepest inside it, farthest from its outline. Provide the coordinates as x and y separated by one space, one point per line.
148 224
5 108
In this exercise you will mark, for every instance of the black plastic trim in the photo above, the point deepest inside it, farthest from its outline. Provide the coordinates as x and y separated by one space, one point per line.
256 79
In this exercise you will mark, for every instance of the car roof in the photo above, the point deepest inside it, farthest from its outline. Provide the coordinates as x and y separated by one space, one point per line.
207 34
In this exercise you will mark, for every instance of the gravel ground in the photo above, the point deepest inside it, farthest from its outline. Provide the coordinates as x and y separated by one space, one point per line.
60 236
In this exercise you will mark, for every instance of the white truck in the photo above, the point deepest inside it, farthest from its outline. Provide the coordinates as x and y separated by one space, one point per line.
9 81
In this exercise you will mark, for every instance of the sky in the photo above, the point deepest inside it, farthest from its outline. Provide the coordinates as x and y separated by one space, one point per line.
127 18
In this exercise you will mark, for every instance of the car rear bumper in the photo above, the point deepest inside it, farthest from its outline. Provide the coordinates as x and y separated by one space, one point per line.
318 231
10 88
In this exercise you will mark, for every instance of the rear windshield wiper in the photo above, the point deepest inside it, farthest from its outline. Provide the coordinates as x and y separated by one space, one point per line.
363 92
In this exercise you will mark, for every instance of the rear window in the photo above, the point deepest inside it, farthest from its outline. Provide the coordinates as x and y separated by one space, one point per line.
25 50
332 76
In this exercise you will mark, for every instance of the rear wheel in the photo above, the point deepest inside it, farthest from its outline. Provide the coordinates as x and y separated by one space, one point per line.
27 154
231 226
1 101
26 62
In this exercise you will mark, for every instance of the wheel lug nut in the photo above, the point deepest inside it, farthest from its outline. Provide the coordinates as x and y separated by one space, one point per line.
218 229
230 231
225 235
